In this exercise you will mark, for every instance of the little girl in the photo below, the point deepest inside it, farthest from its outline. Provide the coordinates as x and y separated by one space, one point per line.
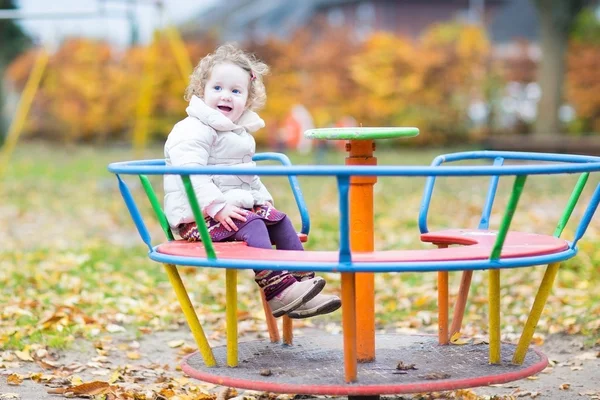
224 89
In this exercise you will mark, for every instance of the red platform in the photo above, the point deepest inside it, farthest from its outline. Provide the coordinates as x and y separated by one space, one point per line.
477 245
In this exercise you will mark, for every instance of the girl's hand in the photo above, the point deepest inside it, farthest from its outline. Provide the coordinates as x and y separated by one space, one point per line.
226 215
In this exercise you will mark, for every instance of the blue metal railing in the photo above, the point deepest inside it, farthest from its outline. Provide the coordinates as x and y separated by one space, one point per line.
567 164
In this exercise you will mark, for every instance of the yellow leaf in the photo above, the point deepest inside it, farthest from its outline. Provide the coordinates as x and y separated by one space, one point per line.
36 377
455 339
76 380
133 355
14 379
175 343
24 355
564 386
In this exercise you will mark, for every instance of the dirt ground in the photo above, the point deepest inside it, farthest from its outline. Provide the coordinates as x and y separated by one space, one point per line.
574 372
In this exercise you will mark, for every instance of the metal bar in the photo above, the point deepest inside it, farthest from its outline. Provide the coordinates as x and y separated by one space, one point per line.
202 229
484 222
349 325
231 316
443 307
152 167
366 266
443 304
190 316
427 193
508 215
587 216
160 215
465 281
270 319
494 317
294 184
361 240
288 332
18 122
535 313
343 183
579 186
136 216
461 302
548 280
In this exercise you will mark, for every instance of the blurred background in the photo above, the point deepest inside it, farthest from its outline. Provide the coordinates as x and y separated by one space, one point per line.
90 82
466 72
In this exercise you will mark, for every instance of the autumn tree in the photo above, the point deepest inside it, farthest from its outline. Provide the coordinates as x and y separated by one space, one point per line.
13 42
556 20
583 80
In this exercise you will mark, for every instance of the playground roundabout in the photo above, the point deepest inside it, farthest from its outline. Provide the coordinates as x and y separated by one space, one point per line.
361 363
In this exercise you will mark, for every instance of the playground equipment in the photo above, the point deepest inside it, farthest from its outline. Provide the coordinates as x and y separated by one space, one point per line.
322 365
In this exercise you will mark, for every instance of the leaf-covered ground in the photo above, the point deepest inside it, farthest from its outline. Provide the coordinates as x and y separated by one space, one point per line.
79 299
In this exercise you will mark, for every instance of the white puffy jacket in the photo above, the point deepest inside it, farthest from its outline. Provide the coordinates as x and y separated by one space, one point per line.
207 137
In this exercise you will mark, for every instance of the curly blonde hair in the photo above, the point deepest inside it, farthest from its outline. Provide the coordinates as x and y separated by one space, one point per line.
229 53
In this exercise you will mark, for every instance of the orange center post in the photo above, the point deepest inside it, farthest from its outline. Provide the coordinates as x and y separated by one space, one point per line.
358 289
361 239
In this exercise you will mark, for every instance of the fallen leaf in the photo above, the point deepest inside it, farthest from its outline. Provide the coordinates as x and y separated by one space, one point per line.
455 339
23 355
227 393
405 367
91 388
14 379
9 396
435 376
114 328
175 343
590 355
564 386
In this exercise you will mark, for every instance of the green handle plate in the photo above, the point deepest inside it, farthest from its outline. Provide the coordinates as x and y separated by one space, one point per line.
360 133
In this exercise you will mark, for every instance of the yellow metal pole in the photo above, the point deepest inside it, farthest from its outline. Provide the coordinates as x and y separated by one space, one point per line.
349 325
181 54
536 312
361 239
190 315
18 122
494 317
144 103
231 311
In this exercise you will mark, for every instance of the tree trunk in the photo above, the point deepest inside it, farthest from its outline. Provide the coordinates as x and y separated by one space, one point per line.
556 19
3 122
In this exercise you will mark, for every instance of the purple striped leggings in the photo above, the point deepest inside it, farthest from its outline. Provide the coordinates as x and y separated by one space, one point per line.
257 233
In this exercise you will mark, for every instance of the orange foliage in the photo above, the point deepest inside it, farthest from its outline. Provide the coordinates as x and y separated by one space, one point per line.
583 84
89 91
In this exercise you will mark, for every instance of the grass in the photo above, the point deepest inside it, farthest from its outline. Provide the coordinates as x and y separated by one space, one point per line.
72 264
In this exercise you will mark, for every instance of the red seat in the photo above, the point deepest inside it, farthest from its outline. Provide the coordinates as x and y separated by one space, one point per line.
477 246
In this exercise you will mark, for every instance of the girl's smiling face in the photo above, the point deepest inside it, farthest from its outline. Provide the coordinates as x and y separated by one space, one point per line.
227 90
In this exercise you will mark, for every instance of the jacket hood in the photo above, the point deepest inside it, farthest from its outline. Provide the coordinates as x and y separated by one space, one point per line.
249 121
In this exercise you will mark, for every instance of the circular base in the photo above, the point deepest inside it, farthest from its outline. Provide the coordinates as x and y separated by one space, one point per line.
315 365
